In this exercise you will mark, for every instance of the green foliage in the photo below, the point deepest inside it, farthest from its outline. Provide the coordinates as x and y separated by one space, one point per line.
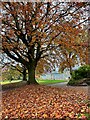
73 82
78 76
87 115
10 74
82 72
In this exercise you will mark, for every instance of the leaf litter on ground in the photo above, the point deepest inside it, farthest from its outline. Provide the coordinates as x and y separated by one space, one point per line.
45 102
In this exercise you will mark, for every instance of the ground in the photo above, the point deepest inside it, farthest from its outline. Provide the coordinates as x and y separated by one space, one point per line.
39 102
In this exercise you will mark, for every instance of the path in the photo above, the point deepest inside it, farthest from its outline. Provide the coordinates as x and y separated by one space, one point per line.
64 84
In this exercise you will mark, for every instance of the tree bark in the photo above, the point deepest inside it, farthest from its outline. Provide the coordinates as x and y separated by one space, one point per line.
24 74
31 74
70 70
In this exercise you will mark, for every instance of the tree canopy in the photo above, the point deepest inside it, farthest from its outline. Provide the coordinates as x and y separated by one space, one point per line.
34 33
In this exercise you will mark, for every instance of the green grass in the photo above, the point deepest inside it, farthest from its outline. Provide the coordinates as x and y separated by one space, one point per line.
41 82
8 82
44 82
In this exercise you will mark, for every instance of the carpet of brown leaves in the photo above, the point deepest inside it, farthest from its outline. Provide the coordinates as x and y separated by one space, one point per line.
45 102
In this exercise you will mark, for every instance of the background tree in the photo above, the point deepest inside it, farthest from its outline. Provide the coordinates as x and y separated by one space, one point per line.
7 62
10 73
72 55
30 31
22 69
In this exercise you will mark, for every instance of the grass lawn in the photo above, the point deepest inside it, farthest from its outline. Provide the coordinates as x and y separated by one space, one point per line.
41 82
8 82
44 82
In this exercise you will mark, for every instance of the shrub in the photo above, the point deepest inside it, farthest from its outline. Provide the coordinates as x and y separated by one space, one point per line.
82 72
78 76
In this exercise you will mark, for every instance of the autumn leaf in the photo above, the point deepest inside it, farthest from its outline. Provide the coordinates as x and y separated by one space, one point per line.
36 101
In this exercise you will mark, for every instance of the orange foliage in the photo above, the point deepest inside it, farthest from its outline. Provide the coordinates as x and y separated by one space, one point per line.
38 30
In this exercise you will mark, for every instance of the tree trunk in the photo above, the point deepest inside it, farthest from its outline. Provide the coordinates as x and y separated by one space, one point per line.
70 70
24 74
31 74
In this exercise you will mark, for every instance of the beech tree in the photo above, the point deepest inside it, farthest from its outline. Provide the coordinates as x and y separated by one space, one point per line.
32 31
